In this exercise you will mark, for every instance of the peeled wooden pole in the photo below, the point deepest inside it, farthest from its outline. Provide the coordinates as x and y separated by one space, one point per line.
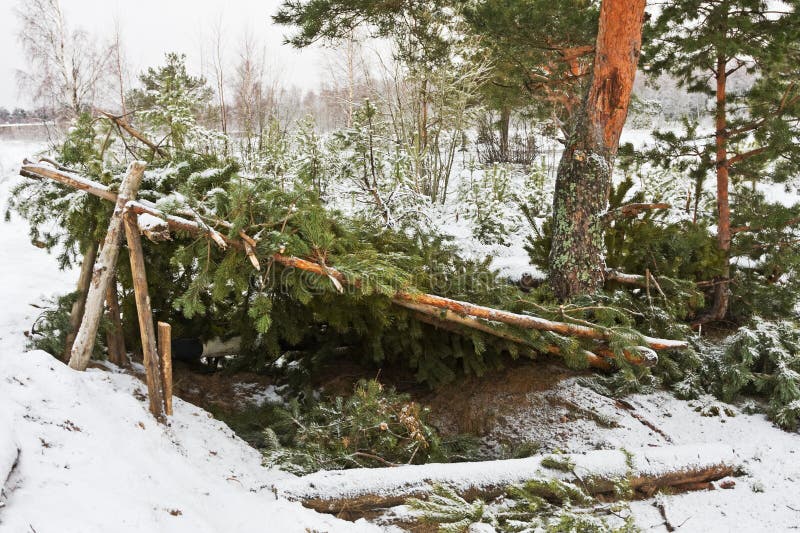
104 270
165 355
145 313
78 308
449 320
400 298
115 339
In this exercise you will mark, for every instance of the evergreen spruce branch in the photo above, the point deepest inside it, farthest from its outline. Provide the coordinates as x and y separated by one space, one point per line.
401 298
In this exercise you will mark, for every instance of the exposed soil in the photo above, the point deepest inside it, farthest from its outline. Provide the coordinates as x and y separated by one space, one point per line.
529 406
218 390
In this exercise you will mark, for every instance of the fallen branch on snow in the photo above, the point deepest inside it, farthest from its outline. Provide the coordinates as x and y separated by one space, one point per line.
597 472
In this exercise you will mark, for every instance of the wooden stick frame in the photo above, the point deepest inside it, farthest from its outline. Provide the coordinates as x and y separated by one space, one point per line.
104 269
474 316
152 368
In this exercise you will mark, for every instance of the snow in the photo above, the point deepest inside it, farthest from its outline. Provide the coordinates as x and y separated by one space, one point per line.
91 457
255 394
765 499
417 479
149 222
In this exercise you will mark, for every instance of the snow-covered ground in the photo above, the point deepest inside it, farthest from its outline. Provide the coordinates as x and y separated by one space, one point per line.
88 457
86 454
767 498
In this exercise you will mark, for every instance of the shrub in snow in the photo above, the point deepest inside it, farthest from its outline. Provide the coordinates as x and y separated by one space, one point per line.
763 360
486 197
373 427
547 505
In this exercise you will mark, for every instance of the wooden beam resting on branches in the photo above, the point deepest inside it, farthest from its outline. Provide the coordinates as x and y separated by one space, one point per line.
402 298
39 171
598 471
449 320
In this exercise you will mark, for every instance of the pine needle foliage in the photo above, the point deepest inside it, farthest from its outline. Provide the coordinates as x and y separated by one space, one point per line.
547 505
373 427
763 360
285 313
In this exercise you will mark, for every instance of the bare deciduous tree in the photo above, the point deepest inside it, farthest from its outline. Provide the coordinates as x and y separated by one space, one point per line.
251 99
119 65
218 66
66 65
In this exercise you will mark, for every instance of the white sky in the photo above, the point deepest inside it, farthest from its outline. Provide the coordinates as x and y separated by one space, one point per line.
152 27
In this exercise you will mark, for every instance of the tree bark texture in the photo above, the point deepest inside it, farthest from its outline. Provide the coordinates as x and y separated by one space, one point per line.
104 270
76 313
145 314
364 489
583 181
722 290
115 338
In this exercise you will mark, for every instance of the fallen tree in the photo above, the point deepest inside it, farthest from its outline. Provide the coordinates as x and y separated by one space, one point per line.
645 470
466 314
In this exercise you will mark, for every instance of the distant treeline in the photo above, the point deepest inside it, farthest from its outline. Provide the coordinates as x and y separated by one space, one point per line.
21 116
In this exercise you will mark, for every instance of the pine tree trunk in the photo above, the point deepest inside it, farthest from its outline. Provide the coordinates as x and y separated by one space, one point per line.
583 182
722 290
505 124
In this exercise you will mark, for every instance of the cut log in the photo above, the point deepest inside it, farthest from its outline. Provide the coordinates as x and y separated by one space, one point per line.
115 338
145 313
402 298
76 313
165 355
104 270
448 320
650 469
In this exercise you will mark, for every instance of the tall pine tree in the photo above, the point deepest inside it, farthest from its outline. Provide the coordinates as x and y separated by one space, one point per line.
707 45
583 183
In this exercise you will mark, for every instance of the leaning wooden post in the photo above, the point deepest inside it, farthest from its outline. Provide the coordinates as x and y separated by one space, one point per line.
115 339
104 269
76 314
152 372
165 353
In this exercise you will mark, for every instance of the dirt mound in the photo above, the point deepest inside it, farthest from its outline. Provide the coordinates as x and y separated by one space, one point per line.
541 406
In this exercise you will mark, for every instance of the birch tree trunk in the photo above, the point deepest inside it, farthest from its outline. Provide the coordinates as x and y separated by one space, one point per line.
104 270
583 183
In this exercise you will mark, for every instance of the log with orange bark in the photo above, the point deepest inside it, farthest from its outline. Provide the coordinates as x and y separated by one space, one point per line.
481 317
